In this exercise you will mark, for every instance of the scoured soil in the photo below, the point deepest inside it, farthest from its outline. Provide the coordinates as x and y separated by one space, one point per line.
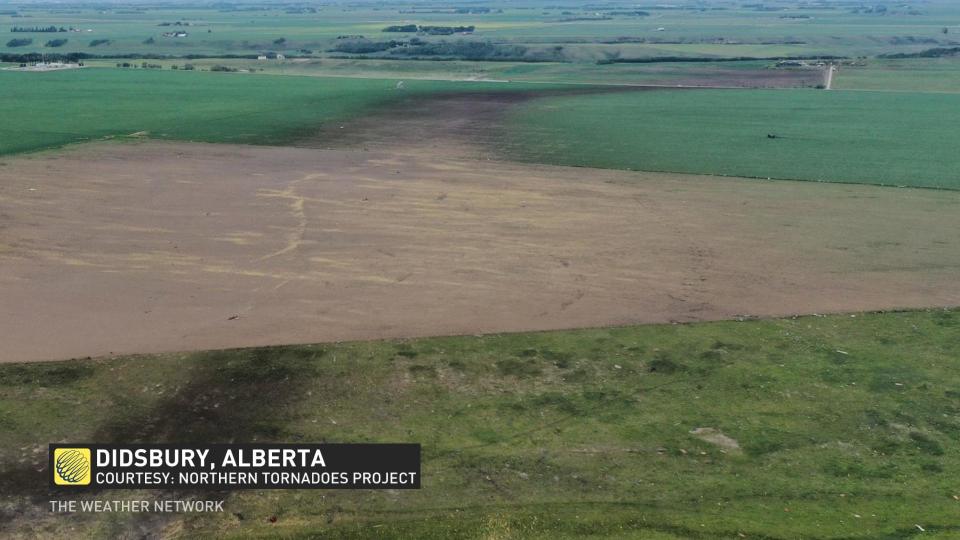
148 247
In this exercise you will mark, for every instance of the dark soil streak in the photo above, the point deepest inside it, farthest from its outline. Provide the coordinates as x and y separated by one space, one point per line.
458 124
227 399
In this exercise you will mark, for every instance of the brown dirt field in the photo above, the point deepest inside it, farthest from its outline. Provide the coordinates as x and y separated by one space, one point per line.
759 78
149 247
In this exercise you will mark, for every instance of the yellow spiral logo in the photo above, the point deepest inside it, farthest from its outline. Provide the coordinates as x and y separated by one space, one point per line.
71 466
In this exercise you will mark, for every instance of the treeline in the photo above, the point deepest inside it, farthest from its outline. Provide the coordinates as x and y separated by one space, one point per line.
452 11
937 52
143 65
579 19
431 30
31 57
459 50
661 59
24 42
38 29
480 50
695 40
402 28
634 13
365 46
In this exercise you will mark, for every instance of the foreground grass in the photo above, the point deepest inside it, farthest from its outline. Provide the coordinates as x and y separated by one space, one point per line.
861 137
58 108
847 427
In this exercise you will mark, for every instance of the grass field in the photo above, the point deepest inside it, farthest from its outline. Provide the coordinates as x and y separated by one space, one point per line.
778 27
63 107
401 214
751 73
906 75
844 427
863 137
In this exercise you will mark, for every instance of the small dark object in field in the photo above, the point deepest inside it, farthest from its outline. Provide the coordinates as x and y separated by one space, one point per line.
233 317
771 136
273 519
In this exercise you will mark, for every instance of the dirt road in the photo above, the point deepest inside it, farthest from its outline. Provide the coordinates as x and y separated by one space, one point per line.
828 77
149 247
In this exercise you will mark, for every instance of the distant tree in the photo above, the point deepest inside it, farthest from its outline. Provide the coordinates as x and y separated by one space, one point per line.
35 29
19 42
402 28
945 30
149 41
56 43
280 41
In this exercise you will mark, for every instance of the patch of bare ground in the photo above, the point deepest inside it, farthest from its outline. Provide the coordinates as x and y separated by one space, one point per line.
459 124
148 247
470 124
716 437
754 78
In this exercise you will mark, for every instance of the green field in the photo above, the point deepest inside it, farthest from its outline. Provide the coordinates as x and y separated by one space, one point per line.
847 427
778 27
659 73
886 138
841 427
901 139
905 75
64 107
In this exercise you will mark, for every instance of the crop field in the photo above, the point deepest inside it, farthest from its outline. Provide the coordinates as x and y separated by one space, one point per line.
898 139
781 28
814 427
64 107
683 270
819 135
903 75
747 74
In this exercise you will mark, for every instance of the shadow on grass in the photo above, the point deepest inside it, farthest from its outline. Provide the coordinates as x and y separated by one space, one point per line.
230 396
